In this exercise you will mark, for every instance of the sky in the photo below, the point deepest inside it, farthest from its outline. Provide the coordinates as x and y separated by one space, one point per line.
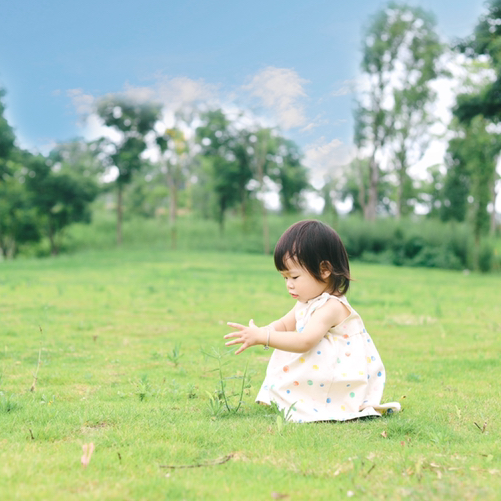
294 62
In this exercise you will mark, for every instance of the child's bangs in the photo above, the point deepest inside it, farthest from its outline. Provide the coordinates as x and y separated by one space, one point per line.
286 248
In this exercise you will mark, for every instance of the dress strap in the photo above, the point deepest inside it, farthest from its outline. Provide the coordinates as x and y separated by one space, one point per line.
343 300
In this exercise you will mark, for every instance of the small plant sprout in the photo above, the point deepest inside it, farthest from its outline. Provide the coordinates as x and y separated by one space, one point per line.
283 415
216 404
143 387
35 376
226 396
175 355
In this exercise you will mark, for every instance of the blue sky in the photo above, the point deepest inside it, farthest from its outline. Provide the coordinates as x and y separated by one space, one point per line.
291 60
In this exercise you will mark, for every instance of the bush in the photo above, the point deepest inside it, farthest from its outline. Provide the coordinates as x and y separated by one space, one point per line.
437 257
486 256
405 242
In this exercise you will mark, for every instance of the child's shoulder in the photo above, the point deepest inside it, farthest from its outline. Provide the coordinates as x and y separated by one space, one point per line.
335 310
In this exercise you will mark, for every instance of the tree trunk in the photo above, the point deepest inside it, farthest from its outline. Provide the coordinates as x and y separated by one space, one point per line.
492 226
373 188
243 207
52 240
172 207
361 192
222 210
400 191
401 158
266 232
119 214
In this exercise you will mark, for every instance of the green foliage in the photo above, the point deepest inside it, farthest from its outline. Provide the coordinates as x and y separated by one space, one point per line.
7 137
485 40
486 256
60 198
290 175
175 355
234 156
400 53
227 396
425 243
133 120
227 167
471 173
386 240
19 223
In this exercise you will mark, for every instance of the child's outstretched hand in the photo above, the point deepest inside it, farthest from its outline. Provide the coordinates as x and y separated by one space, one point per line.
246 336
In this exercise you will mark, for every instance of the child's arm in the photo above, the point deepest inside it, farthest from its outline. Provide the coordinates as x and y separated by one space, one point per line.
286 323
326 317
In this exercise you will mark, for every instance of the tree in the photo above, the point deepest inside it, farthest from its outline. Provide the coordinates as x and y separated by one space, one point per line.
18 222
263 146
60 198
174 151
485 40
78 157
430 192
290 175
472 155
133 120
486 100
400 53
217 142
7 138
355 186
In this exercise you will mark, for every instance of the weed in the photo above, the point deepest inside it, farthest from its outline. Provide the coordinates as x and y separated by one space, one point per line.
175 355
35 376
48 401
283 416
7 402
144 389
191 391
216 403
226 397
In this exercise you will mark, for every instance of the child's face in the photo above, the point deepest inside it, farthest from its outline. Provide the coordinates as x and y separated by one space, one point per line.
301 285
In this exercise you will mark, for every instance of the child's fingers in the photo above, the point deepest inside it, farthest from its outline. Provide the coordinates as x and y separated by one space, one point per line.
232 334
231 343
241 349
237 326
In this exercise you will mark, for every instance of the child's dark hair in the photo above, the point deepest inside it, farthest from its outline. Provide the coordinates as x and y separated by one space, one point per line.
315 247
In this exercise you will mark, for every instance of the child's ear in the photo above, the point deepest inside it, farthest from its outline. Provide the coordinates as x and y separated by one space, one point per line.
325 270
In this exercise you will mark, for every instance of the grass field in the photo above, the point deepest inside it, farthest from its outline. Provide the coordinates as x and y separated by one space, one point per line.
121 338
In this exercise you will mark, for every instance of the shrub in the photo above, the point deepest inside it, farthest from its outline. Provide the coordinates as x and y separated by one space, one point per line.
486 256
437 257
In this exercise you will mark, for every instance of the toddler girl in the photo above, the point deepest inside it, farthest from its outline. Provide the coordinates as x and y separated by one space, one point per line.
325 366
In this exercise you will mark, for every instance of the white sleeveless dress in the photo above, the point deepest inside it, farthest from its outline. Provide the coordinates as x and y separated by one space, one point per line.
341 378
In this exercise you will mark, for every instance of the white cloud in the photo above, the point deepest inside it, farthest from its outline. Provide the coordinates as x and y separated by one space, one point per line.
84 103
281 91
346 87
174 93
327 157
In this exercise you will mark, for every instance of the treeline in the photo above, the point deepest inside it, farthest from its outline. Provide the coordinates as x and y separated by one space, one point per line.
210 163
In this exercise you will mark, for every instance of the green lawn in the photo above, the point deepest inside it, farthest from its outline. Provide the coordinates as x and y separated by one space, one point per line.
122 336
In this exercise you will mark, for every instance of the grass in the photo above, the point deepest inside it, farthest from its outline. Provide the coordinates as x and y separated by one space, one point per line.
122 336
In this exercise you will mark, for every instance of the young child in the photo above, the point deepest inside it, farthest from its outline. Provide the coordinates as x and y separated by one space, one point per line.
325 366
